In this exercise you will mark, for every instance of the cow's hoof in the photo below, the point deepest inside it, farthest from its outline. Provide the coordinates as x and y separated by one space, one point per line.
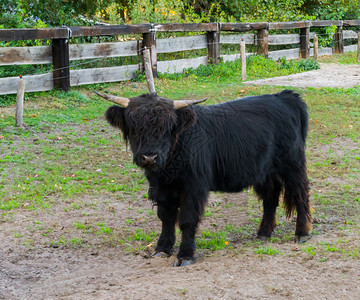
160 254
302 239
183 262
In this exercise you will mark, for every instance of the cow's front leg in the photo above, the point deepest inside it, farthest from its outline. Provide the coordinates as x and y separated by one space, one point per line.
186 253
190 214
168 217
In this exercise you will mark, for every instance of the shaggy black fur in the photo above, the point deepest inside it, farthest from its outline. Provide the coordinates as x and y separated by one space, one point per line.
255 141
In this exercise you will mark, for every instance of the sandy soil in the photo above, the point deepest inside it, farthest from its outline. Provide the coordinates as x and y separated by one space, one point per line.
99 270
102 271
108 274
329 75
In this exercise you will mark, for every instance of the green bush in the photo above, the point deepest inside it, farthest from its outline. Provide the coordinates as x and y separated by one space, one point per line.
299 65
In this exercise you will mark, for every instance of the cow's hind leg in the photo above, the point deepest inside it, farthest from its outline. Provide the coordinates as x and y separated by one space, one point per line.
168 217
269 192
296 197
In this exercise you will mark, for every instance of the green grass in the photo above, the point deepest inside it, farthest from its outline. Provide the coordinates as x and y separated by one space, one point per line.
310 250
266 250
348 58
103 229
141 235
256 67
213 240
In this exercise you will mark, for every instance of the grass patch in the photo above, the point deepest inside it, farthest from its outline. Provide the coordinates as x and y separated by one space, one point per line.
141 235
213 241
256 67
266 250
347 58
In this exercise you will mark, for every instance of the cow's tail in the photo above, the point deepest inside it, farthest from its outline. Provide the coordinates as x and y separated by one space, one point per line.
295 180
294 100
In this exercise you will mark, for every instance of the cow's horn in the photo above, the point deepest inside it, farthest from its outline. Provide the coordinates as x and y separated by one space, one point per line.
184 103
124 102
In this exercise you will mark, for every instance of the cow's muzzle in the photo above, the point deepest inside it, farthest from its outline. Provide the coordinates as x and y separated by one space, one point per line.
148 160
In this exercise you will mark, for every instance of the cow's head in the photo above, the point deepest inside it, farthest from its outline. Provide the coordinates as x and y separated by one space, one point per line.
151 124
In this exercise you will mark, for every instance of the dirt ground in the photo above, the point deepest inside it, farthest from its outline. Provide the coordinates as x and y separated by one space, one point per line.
41 270
329 75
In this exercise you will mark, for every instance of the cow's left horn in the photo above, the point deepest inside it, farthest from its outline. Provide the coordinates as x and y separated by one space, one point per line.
124 102
184 103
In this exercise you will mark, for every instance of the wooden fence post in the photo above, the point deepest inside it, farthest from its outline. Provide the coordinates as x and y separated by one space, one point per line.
149 71
358 46
213 40
316 47
305 42
149 42
263 42
20 103
339 40
61 64
243 60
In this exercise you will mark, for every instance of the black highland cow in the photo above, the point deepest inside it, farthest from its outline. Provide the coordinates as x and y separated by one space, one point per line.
188 150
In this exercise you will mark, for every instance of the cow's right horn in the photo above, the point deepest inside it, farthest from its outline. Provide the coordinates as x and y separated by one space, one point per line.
184 103
124 102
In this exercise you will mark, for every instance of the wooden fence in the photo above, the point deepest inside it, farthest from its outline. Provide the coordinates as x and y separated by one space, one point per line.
60 53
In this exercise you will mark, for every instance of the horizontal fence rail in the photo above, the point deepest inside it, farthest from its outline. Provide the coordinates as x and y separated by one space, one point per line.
60 53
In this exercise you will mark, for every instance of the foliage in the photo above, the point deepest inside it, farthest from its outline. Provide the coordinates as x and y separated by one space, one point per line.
326 35
332 10
26 13
271 10
300 65
160 11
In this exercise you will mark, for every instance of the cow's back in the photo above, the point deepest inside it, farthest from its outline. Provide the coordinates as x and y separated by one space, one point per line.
241 142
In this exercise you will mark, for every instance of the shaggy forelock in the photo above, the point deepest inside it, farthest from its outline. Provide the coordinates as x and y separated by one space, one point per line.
150 115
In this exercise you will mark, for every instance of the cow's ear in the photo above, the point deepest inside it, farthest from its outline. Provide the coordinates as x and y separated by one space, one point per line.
186 118
115 116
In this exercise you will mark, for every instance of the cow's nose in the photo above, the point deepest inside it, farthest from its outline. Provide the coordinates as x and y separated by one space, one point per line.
148 159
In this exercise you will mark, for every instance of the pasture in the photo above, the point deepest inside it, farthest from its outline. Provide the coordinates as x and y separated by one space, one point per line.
75 220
